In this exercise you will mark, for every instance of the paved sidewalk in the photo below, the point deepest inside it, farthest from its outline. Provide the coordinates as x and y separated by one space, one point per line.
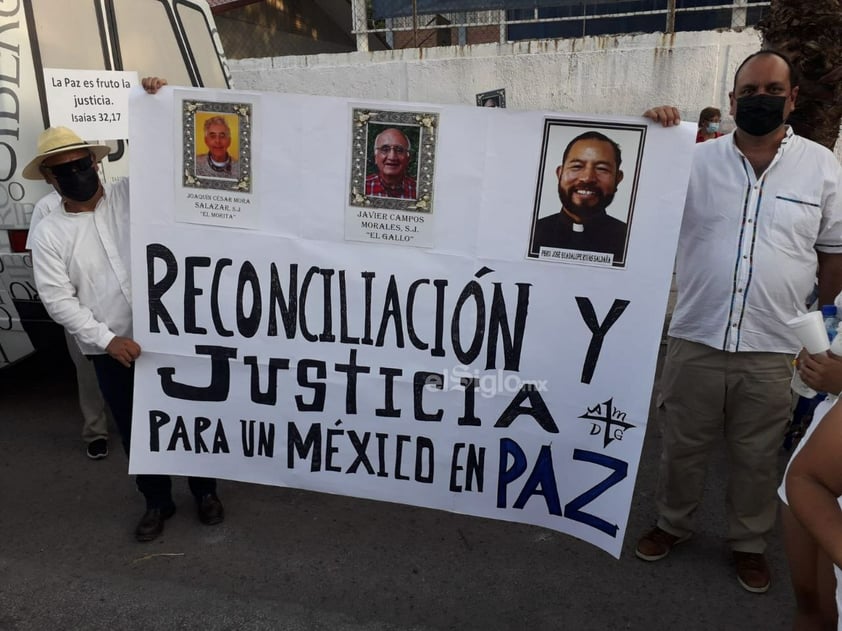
288 559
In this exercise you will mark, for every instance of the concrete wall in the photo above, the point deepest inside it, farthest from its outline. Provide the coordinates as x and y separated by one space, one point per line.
622 74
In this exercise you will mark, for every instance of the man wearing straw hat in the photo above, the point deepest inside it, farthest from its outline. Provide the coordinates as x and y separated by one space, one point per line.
81 263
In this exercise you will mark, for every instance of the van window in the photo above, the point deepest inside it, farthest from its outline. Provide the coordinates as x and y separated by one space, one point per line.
153 50
52 19
199 36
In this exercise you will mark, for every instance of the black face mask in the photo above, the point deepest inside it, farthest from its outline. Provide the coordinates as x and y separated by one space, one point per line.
760 114
79 187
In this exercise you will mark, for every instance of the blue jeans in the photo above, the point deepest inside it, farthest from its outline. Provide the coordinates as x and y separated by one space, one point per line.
117 385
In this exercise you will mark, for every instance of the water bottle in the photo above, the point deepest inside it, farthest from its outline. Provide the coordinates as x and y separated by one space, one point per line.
836 342
831 321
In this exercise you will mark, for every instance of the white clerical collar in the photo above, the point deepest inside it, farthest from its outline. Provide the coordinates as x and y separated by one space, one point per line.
578 227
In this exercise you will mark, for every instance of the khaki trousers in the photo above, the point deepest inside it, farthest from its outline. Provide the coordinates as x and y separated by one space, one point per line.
91 402
708 394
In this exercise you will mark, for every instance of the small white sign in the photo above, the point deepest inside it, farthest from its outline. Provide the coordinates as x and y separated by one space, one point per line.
93 103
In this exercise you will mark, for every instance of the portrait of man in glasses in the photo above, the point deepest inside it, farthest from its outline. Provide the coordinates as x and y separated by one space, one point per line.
392 157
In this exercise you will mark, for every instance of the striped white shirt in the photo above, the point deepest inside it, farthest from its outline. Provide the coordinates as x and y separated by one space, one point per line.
747 250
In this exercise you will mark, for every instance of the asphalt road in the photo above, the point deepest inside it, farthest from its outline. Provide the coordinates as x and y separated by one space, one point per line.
290 560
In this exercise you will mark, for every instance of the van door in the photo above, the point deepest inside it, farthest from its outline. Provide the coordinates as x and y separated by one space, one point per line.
175 39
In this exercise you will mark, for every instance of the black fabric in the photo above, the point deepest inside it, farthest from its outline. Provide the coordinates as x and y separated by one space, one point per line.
117 385
602 233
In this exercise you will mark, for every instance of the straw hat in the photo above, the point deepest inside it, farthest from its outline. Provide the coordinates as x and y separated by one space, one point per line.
58 140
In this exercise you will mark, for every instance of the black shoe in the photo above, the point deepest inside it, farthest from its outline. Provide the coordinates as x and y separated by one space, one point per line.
152 523
97 449
210 509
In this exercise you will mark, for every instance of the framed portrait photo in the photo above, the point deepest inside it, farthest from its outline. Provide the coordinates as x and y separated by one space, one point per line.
587 185
492 98
217 145
393 159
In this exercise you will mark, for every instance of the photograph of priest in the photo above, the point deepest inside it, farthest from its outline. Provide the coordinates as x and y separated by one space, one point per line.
588 177
392 153
217 162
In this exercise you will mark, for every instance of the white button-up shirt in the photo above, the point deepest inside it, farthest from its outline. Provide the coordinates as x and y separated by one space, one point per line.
81 265
747 250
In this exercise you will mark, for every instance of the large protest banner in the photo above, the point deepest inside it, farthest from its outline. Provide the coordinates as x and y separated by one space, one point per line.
450 342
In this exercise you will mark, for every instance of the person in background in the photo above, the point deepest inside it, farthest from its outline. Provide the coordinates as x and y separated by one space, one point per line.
810 568
813 486
92 405
709 121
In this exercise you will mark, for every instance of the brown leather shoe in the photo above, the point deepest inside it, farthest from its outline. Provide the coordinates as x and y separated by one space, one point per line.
151 525
211 510
656 544
752 572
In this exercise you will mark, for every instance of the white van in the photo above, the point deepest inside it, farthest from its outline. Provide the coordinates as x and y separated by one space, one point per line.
175 39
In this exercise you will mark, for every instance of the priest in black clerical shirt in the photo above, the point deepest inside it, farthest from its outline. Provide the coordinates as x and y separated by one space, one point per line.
588 177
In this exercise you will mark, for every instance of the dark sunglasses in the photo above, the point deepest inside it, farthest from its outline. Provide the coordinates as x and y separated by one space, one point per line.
70 168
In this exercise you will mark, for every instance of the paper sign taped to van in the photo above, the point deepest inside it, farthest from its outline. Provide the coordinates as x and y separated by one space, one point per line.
93 103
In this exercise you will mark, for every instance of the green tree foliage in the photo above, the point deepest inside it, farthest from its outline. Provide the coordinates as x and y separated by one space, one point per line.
809 33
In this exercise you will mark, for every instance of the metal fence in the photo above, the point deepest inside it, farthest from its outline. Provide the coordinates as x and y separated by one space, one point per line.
399 24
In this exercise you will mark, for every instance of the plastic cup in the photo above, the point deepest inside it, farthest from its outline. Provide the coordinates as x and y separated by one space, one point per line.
811 332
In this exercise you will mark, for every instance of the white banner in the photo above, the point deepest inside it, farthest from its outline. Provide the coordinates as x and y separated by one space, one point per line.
481 355
93 103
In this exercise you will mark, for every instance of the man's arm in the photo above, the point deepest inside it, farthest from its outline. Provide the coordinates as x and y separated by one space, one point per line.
829 277
814 482
58 294
829 238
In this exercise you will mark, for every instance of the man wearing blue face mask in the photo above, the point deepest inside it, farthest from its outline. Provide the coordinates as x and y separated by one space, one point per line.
763 215
80 255
709 121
